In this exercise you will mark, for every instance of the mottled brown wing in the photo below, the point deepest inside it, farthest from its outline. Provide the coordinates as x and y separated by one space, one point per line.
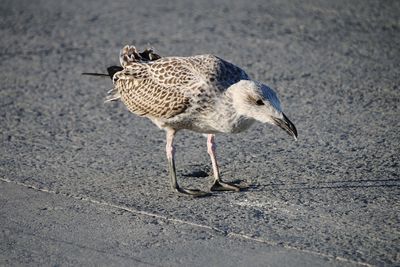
163 88
156 89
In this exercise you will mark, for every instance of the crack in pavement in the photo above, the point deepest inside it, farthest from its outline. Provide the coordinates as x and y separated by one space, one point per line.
179 221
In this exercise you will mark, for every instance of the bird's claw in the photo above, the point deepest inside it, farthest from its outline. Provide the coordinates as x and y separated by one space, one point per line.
223 186
192 192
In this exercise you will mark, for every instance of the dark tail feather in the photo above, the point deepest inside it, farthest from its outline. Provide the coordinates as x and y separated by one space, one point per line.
111 71
148 54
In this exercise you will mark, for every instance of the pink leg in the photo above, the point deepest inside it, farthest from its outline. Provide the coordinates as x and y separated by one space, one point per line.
211 147
170 149
218 185
171 165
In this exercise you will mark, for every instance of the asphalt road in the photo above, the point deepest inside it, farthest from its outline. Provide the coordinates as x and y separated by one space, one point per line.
86 183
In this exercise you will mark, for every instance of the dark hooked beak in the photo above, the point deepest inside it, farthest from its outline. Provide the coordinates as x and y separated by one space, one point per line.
286 125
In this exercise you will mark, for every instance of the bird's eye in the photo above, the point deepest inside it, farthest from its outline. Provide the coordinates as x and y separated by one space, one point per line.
259 102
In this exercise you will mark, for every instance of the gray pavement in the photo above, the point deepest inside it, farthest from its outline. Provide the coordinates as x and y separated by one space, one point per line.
84 183
53 229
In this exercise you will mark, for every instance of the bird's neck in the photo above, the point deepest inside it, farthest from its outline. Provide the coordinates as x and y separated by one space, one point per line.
228 118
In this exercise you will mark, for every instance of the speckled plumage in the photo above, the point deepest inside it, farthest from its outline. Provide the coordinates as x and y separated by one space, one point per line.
171 90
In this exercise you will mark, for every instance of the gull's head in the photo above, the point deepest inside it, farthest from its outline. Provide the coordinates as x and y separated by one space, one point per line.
258 101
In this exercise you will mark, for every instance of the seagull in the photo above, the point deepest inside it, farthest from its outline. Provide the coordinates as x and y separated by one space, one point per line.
202 93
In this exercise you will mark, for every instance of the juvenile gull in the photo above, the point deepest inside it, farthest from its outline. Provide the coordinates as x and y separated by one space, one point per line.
203 93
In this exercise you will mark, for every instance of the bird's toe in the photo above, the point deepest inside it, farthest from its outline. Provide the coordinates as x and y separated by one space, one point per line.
192 192
223 186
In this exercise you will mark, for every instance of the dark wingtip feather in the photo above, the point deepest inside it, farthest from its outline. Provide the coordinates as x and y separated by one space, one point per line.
94 74
113 69
110 70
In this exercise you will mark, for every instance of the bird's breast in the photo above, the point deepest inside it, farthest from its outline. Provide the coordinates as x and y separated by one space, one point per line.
225 123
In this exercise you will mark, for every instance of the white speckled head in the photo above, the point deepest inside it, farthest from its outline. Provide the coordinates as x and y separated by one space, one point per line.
255 100
258 101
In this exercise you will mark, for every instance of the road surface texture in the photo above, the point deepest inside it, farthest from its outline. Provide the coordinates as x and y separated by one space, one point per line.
86 183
